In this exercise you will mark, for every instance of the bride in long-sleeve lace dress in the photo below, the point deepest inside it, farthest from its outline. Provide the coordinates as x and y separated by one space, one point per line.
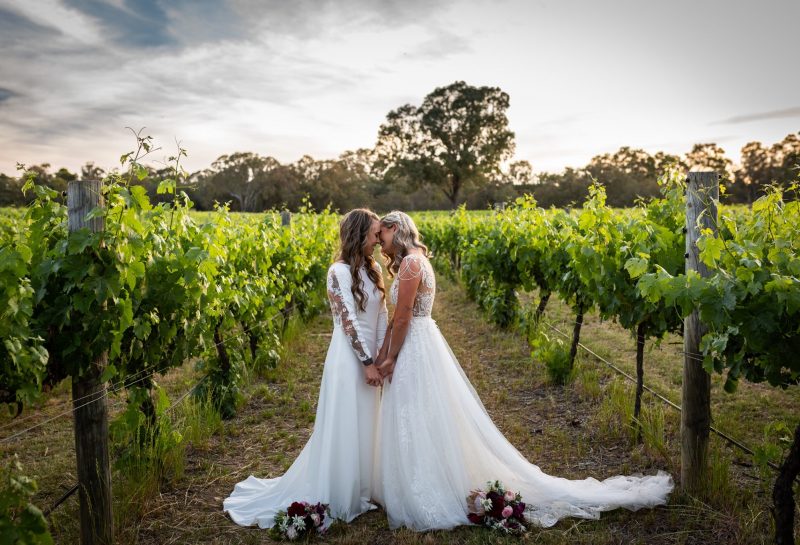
336 464
436 441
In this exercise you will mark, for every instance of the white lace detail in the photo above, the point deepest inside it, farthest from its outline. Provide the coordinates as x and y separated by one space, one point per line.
343 308
412 266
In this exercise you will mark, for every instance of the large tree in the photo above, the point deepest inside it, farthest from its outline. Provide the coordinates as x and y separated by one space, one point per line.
457 137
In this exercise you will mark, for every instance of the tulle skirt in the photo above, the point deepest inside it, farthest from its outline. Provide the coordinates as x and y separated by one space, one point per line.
336 464
436 443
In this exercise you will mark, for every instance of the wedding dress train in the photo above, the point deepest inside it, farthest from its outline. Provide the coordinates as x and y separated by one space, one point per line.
436 442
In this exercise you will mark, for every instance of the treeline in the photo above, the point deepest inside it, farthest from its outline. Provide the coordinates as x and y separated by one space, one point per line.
251 182
455 148
632 173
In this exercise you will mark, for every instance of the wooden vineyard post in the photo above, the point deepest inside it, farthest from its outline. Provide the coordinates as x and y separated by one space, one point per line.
286 222
90 402
702 194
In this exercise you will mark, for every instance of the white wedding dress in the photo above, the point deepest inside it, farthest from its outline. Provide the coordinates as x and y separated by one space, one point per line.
436 442
336 464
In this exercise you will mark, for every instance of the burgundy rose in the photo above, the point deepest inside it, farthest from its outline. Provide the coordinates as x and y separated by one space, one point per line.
519 509
497 505
296 509
475 518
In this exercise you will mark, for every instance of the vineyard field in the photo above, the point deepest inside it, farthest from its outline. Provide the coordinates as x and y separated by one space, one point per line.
183 315
575 431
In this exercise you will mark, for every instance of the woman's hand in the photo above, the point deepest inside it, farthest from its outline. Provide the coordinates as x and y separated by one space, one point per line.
386 368
372 376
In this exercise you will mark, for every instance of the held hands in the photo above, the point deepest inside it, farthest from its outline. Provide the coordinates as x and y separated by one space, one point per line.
373 377
386 368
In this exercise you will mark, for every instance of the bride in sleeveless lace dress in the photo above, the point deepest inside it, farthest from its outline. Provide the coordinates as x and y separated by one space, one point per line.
336 464
436 442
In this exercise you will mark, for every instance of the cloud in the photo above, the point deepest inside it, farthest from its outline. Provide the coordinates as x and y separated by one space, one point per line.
287 77
142 23
39 23
5 94
220 76
761 116
16 29
442 44
319 18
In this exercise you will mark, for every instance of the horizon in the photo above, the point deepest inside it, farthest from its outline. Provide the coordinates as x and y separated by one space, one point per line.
287 80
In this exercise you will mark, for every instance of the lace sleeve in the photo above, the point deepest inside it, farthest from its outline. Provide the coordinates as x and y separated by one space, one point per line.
343 308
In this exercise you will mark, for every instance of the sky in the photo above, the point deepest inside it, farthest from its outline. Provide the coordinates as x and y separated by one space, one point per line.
285 78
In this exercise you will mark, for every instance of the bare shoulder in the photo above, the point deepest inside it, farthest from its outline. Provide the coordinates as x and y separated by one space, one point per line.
411 266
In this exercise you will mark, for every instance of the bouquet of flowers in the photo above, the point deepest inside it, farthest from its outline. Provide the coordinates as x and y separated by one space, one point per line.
300 520
497 508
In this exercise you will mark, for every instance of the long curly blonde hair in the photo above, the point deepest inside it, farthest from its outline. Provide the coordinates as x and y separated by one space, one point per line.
405 238
353 231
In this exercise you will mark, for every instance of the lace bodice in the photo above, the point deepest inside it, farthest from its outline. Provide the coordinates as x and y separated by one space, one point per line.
346 313
414 265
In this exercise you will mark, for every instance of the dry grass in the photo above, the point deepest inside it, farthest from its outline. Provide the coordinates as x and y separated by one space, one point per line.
742 415
47 452
568 431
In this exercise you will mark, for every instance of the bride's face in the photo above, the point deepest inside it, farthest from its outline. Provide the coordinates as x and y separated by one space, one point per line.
387 238
373 237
